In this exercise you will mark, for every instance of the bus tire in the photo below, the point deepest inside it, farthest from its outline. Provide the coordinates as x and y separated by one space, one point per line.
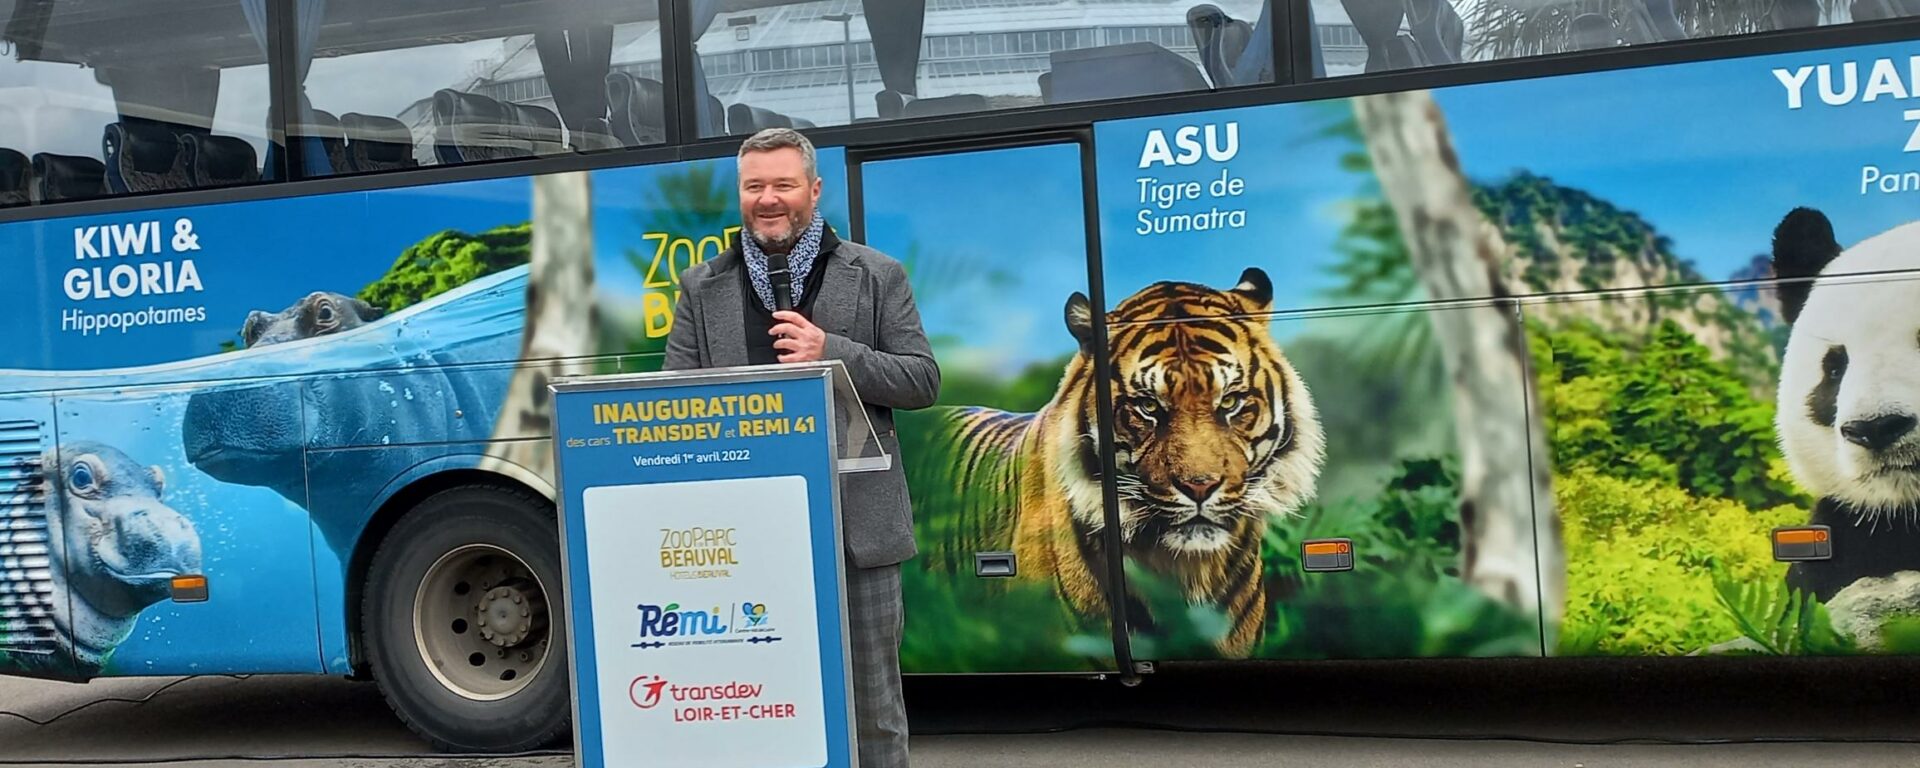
463 621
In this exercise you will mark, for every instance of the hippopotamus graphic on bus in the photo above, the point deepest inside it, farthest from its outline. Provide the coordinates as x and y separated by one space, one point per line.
111 548
317 314
289 435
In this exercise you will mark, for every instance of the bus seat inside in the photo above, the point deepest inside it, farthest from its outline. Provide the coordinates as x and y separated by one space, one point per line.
719 113
16 178
594 134
1437 30
1121 71
469 127
67 177
323 128
1378 25
376 143
945 105
749 119
1588 31
1403 52
333 138
538 126
638 108
889 103
1220 39
143 156
215 161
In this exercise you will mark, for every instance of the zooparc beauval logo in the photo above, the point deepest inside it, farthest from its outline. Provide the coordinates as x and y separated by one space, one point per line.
670 625
698 553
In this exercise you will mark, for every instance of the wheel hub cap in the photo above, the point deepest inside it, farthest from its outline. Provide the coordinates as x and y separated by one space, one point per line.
480 622
506 616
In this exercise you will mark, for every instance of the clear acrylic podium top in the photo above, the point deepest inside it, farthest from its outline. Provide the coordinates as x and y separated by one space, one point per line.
859 449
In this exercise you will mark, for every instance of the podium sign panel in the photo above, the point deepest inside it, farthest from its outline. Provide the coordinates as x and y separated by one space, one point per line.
703 581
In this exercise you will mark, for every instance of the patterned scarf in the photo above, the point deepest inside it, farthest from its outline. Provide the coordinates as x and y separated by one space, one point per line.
799 261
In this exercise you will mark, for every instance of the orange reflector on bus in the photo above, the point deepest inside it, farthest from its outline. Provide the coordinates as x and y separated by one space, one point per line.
189 589
1813 542
1327 547
1319 555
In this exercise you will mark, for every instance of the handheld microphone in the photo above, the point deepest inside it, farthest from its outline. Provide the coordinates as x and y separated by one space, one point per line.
781 281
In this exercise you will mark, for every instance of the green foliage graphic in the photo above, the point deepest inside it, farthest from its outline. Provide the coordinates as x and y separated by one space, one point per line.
1597 233
1664 410
957 622
446 261
1641 555
1404 597
1780 620
1667 480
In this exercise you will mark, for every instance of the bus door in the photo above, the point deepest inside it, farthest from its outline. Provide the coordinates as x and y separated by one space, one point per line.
1012 520
1316 459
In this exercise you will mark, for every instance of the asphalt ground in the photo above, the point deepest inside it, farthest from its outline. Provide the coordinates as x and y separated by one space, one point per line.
1563 712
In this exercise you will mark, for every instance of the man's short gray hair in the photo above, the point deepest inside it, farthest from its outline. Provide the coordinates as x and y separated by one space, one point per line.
771 139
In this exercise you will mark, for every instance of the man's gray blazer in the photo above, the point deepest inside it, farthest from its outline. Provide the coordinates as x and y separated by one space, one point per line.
866 309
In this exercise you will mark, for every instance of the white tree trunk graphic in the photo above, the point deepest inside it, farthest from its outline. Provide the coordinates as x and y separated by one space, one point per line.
1506 508
562 320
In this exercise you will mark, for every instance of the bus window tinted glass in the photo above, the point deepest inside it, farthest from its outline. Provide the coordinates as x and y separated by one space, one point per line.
1356 36
107 98
834 62
393 85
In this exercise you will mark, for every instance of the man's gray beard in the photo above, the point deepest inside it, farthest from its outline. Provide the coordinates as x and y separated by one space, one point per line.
785 245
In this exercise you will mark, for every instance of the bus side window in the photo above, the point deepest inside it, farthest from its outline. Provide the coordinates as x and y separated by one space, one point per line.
482 83
838 62
131 97
1356 36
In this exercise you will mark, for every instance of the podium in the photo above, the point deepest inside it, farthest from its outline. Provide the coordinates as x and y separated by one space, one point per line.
702 563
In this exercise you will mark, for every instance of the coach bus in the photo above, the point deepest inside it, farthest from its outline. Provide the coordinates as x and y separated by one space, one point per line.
1267 329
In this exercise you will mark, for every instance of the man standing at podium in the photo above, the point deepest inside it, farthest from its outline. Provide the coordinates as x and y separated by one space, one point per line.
833 300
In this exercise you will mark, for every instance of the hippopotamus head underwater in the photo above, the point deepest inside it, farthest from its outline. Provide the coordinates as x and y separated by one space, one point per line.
113 548
263 433
317 314
253 435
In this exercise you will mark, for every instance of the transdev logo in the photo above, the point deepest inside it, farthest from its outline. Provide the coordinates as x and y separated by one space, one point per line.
709 703
662 626
645 690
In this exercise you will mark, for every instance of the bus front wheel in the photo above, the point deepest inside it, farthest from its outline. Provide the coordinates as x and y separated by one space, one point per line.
462 621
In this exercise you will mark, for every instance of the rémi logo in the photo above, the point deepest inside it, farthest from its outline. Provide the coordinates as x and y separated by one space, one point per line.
664 626
671 621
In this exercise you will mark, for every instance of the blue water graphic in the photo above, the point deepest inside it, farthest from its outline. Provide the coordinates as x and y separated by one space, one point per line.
266 555
476 323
